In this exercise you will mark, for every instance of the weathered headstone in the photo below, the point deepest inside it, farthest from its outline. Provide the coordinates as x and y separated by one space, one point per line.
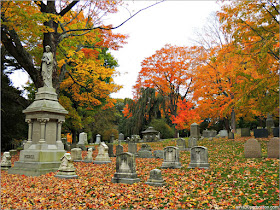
76 154
195 130
44 116
158 154
125 169
102 156
269 123
83 138
206 133
213 133
199 157
98 139
88 158
145 154
276 132
6 161
252 149
66 169
273 148
231 135
245 132
132 147
192 142
223 133
119 149
181 144
111 146
121 137
171 158
261 133
155 178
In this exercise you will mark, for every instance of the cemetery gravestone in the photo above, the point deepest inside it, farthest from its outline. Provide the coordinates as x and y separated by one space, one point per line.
132 147
273 148
213 133
111 146
76 154
195 130
206 133
98 139
192 142
102 156
252 149
145 154
82 141
66 169
155 178
6 161
261 133
119 149
269 123
150 134
88 158
245 132
125 169
199 157
223 133
171 158
121 137
276 132
44 116
181 144
158 154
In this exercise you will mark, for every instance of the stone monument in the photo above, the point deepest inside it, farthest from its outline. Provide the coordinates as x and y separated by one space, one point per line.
88 158
269 123
66 169
98 139
43 150
103 155
155 178
199 157
6 161
121 137
273 148
181 144
76 154
125 169
150 134
111 146
171 158
194 136
252 149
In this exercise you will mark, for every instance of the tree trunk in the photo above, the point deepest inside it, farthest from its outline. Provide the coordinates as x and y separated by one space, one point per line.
233 121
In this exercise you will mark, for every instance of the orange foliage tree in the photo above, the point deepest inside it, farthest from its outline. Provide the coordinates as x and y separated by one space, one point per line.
169 72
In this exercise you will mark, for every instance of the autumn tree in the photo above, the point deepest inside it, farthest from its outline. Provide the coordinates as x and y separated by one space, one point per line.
169 72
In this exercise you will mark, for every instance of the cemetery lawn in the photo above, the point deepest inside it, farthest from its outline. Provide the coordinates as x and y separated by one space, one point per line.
231 181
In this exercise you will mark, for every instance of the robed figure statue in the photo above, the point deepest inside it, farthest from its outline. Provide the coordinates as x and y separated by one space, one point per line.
47 67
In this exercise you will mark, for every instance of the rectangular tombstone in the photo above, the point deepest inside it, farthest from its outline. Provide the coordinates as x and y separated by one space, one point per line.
111 149
171 157
192 142
155 178
261 133
145 154
199 157
273 148
245 132
213 133
231 135
121 137
195 132
119 149
98 139
125 169
223 133
276 132
76 154
132 147
206 133
181 144
83 138
252 149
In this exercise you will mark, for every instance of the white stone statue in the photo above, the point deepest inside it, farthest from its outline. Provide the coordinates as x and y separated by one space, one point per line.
47 66
6 161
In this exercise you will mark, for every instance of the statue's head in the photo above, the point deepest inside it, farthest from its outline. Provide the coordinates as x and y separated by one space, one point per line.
48 48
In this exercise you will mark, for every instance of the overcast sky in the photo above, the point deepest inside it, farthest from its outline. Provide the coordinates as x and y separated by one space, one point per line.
170 22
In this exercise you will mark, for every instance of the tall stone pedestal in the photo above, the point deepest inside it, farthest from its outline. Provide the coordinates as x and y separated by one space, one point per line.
43 150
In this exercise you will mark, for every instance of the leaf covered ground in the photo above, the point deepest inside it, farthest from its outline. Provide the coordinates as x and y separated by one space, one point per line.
232 181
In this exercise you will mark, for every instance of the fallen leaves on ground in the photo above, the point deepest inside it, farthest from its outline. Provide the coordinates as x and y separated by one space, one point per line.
231 181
